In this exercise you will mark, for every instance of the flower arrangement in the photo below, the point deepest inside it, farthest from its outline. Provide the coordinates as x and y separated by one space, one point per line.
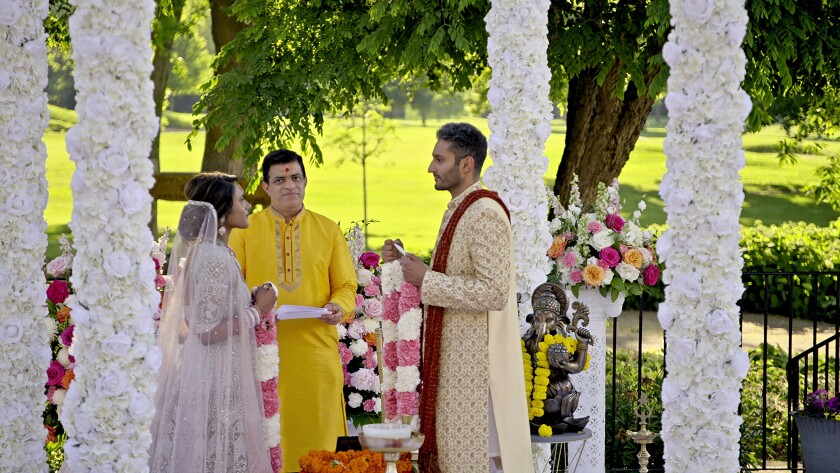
818 404
351 461
357 336
401 321
267 371
60 373
597 248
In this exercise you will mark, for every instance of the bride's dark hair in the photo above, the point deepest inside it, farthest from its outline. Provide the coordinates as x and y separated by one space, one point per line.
215 188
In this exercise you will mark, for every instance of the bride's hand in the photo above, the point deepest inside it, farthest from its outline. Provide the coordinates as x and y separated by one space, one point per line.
265 297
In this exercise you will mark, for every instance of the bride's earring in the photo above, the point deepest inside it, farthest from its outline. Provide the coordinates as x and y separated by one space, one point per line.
222 229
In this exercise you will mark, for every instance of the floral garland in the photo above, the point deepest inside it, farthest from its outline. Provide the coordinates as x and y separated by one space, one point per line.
357 336
267 371
520 124
108 409
24 331
351 461
703 197
401 321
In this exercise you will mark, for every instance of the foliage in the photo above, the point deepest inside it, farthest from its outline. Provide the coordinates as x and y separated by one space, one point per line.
192 57
752 407
60 84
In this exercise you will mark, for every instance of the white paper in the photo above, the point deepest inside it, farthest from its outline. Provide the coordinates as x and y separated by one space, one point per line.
290 312
399 248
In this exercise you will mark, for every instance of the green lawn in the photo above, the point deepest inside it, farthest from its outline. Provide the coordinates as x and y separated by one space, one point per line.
402 199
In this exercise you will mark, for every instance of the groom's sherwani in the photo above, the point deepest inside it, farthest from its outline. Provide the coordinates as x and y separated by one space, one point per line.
480 352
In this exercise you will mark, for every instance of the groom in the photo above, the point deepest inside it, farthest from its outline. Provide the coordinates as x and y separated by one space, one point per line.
472 407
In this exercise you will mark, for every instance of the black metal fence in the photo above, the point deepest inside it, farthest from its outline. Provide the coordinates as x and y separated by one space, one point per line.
783 315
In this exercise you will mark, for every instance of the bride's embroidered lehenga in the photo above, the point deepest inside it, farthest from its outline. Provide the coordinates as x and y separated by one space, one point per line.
209 402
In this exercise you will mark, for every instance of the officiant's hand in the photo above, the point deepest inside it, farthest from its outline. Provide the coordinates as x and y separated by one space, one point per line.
335 314
390 252
413 269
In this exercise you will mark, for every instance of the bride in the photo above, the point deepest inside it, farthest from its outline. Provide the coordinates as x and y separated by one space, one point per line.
209 401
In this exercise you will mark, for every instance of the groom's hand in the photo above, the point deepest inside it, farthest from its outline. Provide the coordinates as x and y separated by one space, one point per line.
390 252
413 269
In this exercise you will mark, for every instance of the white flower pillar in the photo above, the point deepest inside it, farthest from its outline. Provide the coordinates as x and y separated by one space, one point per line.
703 197
24 325
520 124
592 383
109 407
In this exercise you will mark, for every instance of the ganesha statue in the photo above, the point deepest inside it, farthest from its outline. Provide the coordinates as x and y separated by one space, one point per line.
556 348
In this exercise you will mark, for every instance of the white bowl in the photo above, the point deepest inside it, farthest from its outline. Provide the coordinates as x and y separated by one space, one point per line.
387 431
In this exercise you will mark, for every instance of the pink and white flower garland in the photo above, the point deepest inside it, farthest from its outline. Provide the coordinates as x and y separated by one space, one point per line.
401 321
267 371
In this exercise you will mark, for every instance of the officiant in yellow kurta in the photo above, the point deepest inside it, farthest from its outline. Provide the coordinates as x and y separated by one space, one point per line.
306 255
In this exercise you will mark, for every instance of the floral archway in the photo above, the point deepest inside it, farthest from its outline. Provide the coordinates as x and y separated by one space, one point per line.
108 411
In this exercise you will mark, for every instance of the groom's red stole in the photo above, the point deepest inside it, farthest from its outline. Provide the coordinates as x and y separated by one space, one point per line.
428 459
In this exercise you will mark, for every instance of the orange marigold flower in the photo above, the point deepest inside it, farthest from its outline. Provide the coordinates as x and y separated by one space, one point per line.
634 258
63 314
593 275
370 338
67 378
558 246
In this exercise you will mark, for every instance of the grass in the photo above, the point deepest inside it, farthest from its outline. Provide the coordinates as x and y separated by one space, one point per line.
402 199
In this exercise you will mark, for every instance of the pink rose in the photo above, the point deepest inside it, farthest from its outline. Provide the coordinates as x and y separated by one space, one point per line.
50 391
373 308
344 353
390 307
610 256
369 260
347 377
570 259
408 352
370 359
369 405
576 276
59 266
360 301
391 359
409 297
276 458
58 291
376 280
614 222
594 226
271 403
160 281
371 290
408 403
54 373
157 264
67 336
651 275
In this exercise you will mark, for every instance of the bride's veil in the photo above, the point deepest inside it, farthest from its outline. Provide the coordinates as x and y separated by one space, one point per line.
209 404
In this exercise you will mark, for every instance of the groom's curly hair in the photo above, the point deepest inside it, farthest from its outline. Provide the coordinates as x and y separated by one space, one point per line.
465 140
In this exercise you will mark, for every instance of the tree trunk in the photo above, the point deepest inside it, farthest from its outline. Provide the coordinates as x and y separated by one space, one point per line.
601 131
162 40
225 27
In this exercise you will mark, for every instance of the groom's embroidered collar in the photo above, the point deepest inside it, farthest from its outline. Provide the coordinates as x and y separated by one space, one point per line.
456 201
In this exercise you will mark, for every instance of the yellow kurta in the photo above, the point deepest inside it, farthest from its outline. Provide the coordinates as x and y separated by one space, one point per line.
480 355
309 260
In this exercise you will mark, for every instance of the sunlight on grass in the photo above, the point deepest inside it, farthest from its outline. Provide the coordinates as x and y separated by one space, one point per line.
403 201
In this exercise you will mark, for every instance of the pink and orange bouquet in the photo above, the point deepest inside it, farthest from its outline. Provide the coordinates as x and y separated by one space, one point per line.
598 248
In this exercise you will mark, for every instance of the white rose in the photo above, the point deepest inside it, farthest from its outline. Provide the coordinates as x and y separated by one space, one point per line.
112 384
676 103
718 322
58 396
113 159
63 357
153 358
370 324
11 330
627 272
10 13
678 200
608 277
12 411
118 264
689 285
5 80
601 240
359 348
363 276
725 401
19 204
140 407
354 400
59 266
741 363
682 349
133 197
342 330
117 344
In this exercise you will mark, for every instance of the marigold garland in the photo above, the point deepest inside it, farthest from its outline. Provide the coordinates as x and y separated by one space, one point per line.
351 461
